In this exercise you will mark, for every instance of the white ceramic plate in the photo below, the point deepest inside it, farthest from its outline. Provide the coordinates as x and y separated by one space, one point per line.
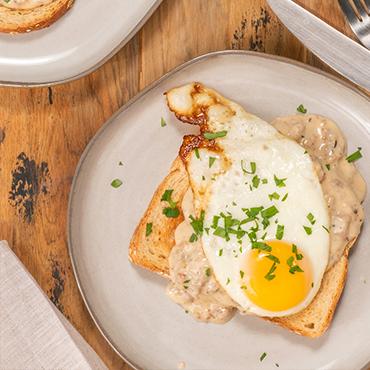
128 303
79 42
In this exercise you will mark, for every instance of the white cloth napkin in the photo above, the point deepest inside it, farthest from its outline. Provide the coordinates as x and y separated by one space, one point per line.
33 333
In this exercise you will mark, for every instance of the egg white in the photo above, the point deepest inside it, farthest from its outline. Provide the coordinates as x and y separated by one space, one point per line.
216 188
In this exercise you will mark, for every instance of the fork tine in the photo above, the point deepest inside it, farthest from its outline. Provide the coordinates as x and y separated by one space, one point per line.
348 11
367 2
360 9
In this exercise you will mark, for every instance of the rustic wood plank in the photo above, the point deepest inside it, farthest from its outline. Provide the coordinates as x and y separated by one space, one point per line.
43 131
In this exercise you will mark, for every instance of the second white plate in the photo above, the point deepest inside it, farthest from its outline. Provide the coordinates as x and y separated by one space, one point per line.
85 37
129 304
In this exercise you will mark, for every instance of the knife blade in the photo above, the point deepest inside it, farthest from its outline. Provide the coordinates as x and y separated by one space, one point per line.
338 51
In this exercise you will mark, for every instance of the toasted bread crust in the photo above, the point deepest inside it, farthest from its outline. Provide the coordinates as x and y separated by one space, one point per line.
152 251
311 322
21 21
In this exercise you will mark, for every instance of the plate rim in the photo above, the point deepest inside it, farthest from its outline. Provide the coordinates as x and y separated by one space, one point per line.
124 107
102 61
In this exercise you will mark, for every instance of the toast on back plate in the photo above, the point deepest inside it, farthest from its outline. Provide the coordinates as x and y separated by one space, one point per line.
25 16
154 237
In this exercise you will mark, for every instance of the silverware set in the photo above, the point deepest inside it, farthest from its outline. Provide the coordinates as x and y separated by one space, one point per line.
344 55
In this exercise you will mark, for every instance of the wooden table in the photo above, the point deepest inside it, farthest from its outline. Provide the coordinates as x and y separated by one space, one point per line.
43 131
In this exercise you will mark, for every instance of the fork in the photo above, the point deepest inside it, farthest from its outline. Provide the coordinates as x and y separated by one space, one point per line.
358 16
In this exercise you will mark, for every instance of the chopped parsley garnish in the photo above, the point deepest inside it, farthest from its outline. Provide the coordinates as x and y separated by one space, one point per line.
270 275
241 274
193 238
279 232
292 267
215 222
172 211
252 170
214 135
298 256
120 163
208 271
228 281
186 282
221 232
269 212
284 197
211 161
277 365
261 246
327 167
325 228
233 203
311 218
163 122
264 181
203 178
308 230
280 183
354 156
301 109
197 224
196 151
244 287
220 252
116 183
256 181
274 195
263 356
273 258
167 197
148 229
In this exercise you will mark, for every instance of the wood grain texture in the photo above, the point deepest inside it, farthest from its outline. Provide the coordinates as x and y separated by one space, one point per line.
43 131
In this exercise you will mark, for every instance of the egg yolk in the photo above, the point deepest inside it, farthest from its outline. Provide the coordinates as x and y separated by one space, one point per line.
279 279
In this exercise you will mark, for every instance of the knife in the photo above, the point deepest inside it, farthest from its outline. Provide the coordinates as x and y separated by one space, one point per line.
341 53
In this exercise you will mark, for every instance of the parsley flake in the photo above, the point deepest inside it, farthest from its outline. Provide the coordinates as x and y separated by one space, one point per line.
310 217
211 161
252 170
325 228
214 135
280 183
301 109
116 183
263 356
354 156
279 232
148 229
274 195
308 230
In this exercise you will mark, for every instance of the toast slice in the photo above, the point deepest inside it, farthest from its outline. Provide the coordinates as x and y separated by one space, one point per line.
152 253
26 20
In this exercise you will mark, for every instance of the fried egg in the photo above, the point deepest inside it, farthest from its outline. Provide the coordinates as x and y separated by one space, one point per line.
260 203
